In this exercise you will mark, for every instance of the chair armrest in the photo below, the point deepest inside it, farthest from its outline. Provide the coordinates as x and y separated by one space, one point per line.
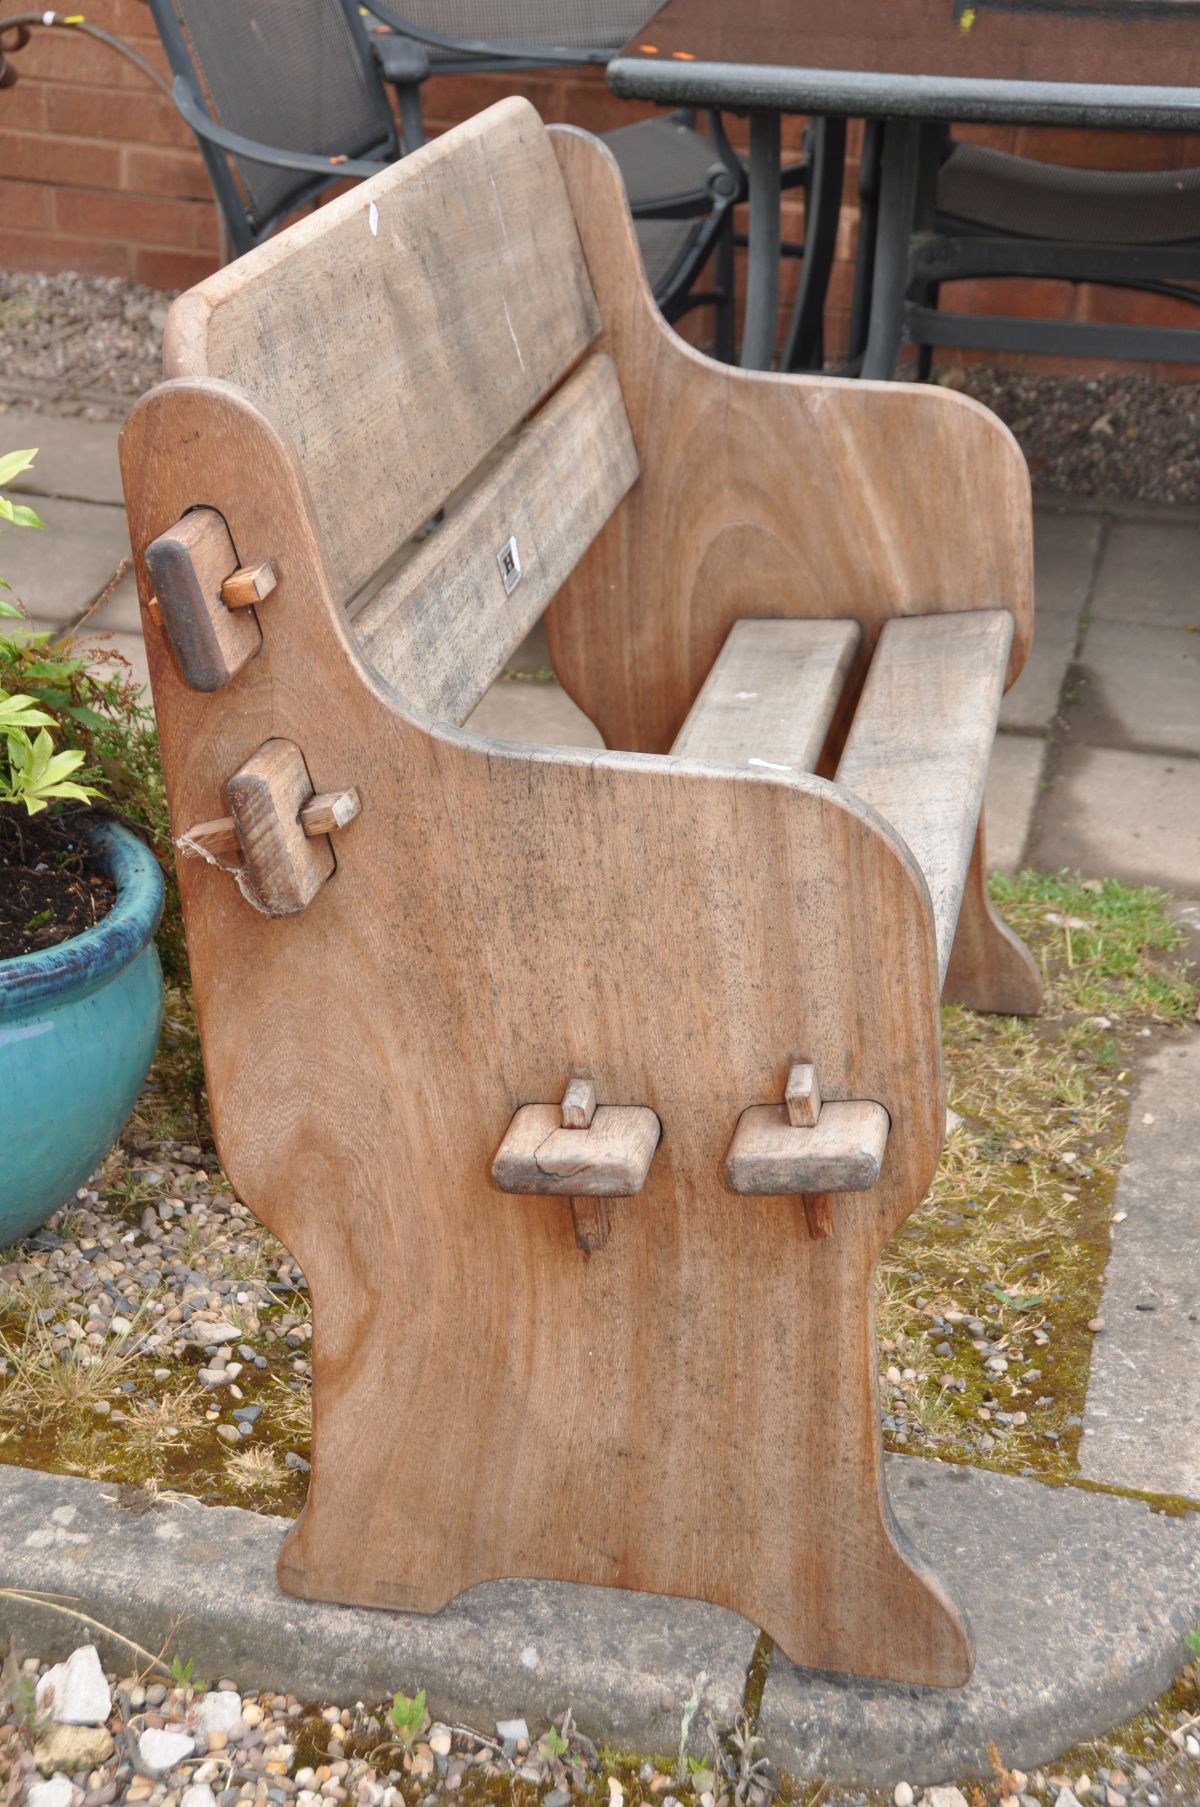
239 146
763 495
401 59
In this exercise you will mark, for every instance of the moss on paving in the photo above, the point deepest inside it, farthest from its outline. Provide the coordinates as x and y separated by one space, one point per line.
1014 1234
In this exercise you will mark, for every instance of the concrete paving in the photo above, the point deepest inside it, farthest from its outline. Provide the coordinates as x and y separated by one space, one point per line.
1141 1427
1132 816
1149 572
1079 1603
77 459
1136 686
625 1663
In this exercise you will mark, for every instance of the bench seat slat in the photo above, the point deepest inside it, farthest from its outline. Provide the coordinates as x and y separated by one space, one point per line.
770 697
443 627
921 738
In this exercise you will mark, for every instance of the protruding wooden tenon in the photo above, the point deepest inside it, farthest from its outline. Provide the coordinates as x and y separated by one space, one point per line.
579 1151
324 813
808 1148
190 566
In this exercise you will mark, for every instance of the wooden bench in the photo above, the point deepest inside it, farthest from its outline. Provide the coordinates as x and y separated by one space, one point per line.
585 1086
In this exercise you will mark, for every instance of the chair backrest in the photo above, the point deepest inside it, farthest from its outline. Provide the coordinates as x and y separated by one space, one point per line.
402 336
294 74
448 27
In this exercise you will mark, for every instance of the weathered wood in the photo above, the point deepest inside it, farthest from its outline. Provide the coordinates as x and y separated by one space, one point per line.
188 566
590 1217
771 696
767 496
443 627
802 1096
921 739
842 1152
509 915
249 584
609 1159
990 968
579 1104
330 811
496 307
321 815
265 798
818 1215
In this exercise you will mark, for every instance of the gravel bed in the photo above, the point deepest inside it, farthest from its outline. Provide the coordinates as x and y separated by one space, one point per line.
79 344
73 1735
1121 438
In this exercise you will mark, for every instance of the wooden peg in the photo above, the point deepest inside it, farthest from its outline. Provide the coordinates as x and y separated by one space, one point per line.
609 1159
590 1217
265 799
802 1095
818 1214
323 814
330 810
842 1152
248 585
188 566
579 1104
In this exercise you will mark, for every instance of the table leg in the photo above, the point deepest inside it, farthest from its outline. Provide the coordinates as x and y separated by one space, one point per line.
762 282
897 208
822 205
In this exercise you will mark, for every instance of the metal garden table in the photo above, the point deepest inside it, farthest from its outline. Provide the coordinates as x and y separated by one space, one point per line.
1115 64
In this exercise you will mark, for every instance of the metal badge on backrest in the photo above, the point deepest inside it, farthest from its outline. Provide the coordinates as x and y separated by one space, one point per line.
509 560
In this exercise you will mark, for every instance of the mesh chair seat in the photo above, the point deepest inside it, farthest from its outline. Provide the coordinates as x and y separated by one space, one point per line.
660 158
1014 195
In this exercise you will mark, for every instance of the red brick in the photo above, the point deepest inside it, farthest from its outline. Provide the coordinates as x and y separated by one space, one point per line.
25 206
1134 307
68 56
172 269
148 170
109 113
25 107
43 157
139 220
41 251
1108 150
1025 297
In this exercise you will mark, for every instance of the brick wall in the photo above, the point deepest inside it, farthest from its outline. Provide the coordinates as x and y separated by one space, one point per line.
98 174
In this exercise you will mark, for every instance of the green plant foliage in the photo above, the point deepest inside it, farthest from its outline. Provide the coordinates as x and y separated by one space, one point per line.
408 1716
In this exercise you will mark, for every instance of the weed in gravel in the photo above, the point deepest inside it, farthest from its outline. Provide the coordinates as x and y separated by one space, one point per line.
255 1471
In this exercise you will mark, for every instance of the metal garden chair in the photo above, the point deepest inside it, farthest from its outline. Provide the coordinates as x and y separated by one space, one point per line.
977 212
285 98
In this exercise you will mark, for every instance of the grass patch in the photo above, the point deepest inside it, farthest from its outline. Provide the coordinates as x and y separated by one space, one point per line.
985 1297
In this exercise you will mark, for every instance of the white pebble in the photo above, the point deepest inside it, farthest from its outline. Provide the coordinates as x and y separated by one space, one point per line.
514 1729
220 1711
160 1751
57 1792
198 1795
902 1794
75 1692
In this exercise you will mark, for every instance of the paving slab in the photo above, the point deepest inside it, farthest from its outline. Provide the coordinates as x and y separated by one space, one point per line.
56 574
1013 788
120 613
1141 1425
77 459
525 709
1137 685
1065 546
1150 574
625 1663
1079 1602
1032 703
1133 816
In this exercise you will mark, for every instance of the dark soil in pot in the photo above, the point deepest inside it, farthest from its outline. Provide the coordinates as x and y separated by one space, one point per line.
50 885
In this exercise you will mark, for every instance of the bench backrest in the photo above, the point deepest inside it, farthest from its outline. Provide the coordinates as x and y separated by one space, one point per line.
401 336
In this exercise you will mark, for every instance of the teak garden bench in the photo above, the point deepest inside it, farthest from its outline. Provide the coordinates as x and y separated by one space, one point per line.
585 1086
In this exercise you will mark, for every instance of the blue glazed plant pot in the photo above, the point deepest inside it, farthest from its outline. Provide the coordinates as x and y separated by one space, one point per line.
79 1025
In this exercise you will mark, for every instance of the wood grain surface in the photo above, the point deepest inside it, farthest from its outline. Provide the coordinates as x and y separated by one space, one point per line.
767 496
500 918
